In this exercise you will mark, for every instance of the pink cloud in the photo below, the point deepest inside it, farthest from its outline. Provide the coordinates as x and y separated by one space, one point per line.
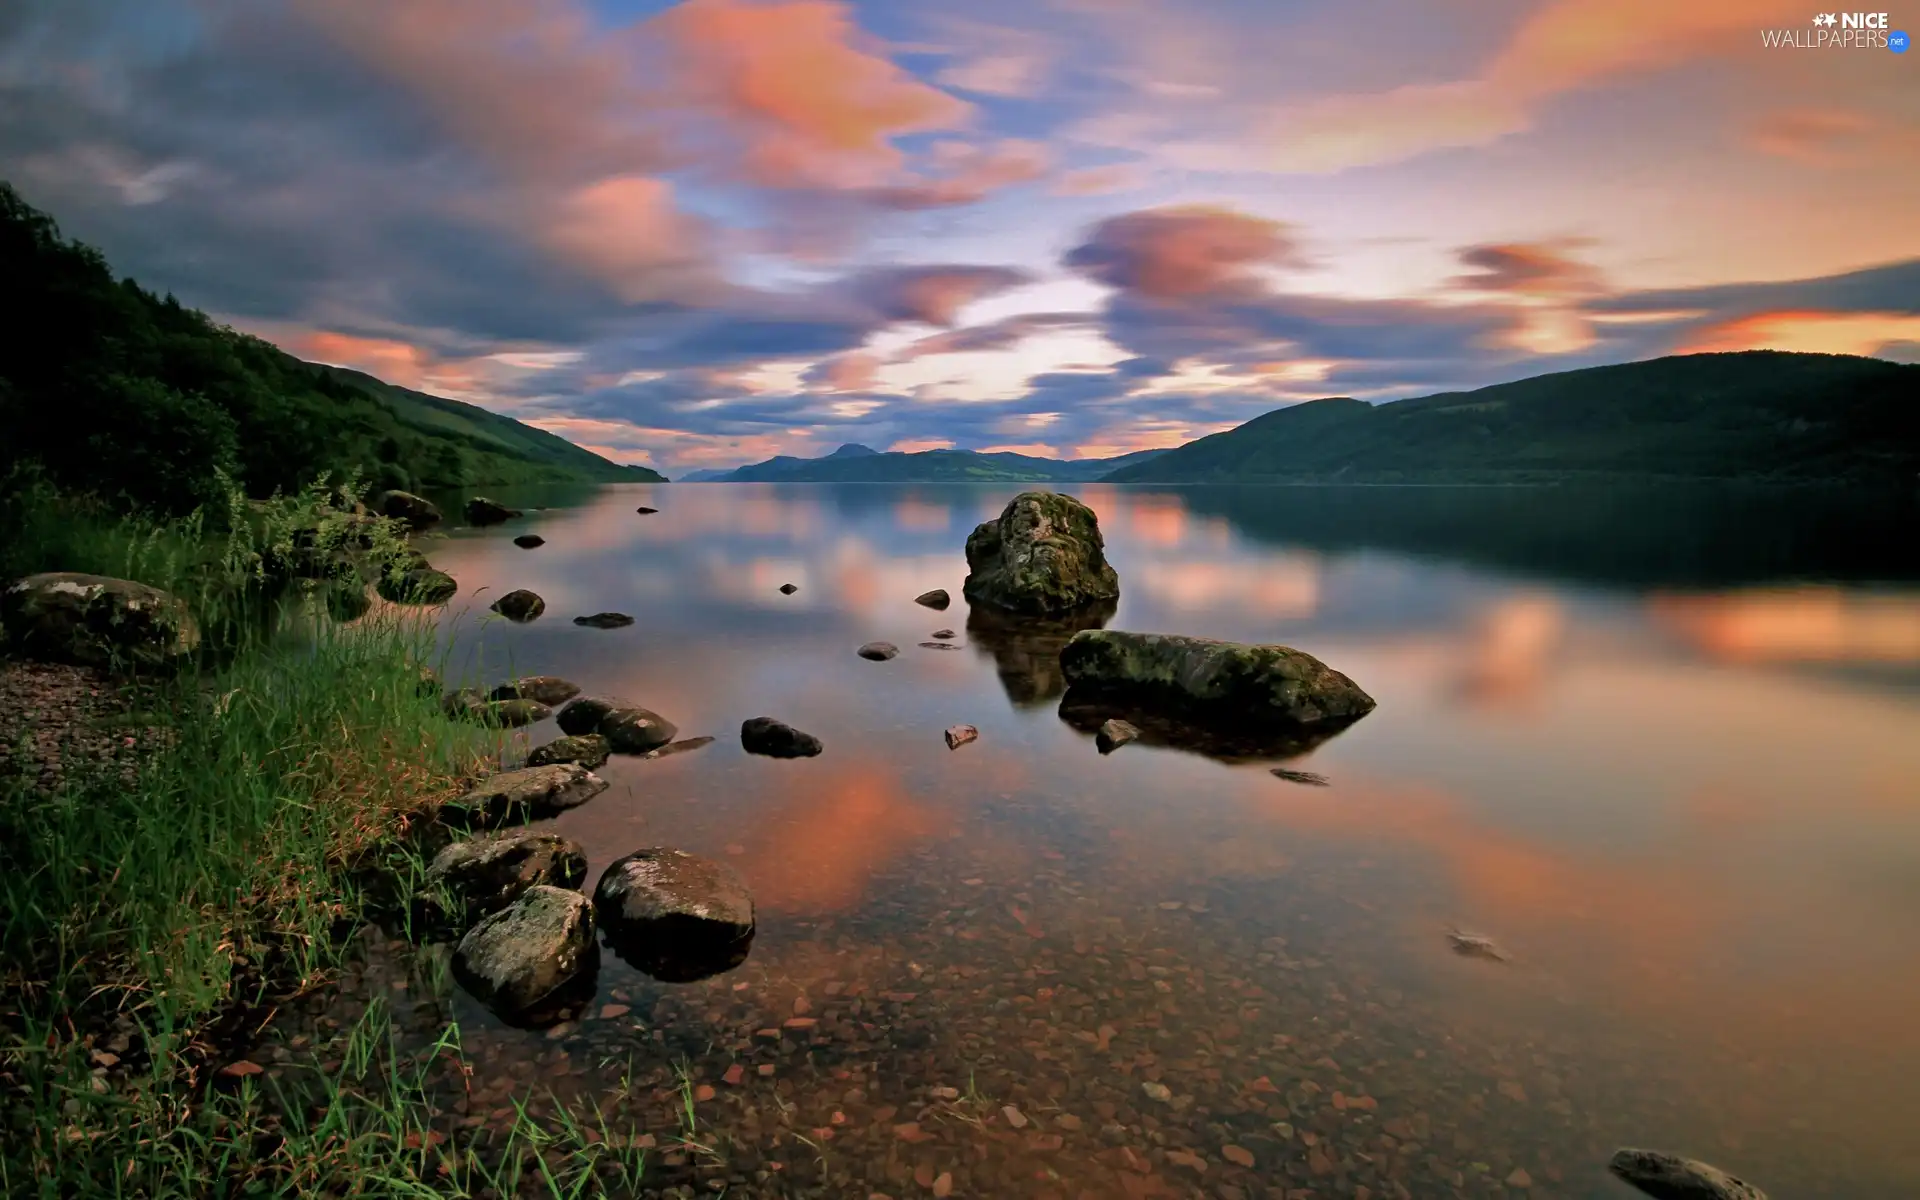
1177 252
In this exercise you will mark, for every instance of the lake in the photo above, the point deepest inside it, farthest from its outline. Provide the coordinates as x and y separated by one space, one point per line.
1662 747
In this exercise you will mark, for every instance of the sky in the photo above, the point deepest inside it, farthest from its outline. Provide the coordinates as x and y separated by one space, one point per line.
696 235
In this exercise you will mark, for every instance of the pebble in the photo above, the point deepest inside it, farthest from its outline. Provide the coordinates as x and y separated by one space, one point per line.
1157 1091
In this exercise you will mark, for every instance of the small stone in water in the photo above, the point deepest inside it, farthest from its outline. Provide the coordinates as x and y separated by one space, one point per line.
959 735
1306 777
609 1011
788 589
1014 1117
1239 1156
1519 1178
1157 1091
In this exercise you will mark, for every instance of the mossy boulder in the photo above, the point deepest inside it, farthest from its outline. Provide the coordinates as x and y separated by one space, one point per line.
587 750
482 511
422 585
483 875
530 793
520 605
636 730
1043 554
547 689
1212 680
96 620
518 959
416 511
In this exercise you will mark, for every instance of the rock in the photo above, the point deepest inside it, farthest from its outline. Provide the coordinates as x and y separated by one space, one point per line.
587 750
942 634
679 747
1670 1177
421 585
1114 733
512 714
674 915
959 735
879 651
605 620
1307 778
1211 682
547 689
526 794
1474 945
777 739
347 600
585 714
1042 555
636 730
788 589
485 874
426 681
521 956
644 509
417 511
482 511
939 646
935 599
529 541
94 620
464 703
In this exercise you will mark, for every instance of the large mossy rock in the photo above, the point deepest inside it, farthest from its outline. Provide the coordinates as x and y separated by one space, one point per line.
520 959
676 916
95 620
520 605
1209 681
1670 1177
482 511
423 585
482 875
417 511
1042 555
528 794
547 689
636 730
588 750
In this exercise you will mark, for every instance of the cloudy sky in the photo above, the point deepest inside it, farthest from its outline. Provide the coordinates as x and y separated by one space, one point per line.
698 234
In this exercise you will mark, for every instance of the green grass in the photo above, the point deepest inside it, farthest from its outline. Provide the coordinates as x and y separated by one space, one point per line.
183 904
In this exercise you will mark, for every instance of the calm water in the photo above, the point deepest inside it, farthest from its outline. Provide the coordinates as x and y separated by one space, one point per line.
1661 748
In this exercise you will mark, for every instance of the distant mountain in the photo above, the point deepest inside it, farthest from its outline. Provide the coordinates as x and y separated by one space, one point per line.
1756 415
860 464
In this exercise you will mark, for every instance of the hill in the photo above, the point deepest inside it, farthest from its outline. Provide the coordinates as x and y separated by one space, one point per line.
108 389
858 464
1754 415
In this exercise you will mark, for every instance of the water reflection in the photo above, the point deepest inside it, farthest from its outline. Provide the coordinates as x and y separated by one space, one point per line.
1589 747
1026 649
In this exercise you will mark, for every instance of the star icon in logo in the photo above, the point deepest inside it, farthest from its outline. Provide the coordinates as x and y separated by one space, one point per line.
1825 19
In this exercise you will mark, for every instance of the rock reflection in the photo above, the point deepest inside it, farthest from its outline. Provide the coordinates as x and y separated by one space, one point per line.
1026 650
680 960
1087 709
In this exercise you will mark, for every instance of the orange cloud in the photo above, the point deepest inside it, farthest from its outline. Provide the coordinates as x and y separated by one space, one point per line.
1527 269
1182 251
1818 137
1560 47
810 103
974 171
626 231
853 372
1099 181
394 361
1809 332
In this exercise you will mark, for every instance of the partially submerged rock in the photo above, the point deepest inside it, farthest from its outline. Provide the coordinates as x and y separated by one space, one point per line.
527 955
1113 734
584 715
529 793
942 634
529 541
643 509
347 600
936 599
1670 1177
512 714
482 875
1475 945
777 739
421 585
482 511
676 916
547 689
587 750
879 651
959 735
1252 691
604 620
940 646
417 512
679 747
1308 778
96 621
788 589
464 704
1042 555
636 730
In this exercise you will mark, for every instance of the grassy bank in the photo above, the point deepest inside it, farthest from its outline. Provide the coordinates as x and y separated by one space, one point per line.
165 903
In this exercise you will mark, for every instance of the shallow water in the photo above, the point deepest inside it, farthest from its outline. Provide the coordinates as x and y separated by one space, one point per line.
1660 747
